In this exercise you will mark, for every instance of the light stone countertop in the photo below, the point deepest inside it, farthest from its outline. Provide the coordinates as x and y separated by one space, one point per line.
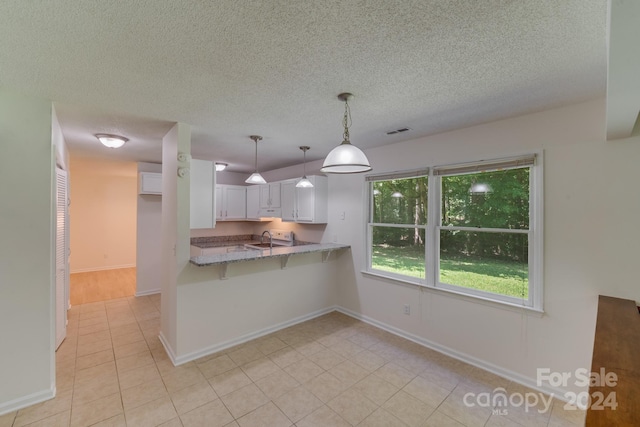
253 254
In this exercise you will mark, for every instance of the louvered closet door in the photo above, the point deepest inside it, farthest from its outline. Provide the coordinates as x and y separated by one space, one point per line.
62 251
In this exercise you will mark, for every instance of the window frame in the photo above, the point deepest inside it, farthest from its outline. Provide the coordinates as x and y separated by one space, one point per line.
370 180
434 225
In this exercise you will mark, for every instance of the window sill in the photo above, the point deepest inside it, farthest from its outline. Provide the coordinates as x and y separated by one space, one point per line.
452 293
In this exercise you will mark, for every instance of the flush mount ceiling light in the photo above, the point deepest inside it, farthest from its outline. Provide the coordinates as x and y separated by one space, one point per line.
304 182
346 158
255 177
111 141
221 166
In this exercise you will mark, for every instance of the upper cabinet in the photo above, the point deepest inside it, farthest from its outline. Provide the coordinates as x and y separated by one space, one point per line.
150 183
306 205
253 202
231 202
202 202
222 202
270 200
270 195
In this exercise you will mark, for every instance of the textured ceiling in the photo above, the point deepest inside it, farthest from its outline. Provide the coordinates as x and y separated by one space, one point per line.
232 68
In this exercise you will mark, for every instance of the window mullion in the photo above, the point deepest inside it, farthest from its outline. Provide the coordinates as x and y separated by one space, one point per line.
433 221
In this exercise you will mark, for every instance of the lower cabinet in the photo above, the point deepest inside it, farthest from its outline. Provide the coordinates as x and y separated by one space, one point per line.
305 205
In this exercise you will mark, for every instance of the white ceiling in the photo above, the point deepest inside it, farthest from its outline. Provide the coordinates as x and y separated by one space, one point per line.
232 68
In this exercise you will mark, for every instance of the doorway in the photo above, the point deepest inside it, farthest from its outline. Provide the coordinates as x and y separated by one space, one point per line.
102 229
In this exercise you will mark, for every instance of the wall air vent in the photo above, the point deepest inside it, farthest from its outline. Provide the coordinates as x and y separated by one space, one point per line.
393 132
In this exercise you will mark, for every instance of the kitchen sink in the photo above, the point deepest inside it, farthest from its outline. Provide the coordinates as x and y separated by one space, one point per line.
264 245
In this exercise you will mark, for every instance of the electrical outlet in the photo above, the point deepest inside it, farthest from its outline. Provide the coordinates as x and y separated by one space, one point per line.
407 309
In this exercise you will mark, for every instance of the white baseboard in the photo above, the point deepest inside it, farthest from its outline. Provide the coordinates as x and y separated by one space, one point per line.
110 267
149 292
28 400
179 360
168 349
504 373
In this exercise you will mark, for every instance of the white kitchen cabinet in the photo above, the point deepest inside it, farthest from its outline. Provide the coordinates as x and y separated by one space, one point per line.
231 202
305 205
288 200
202 203
150 183
253 202
270 195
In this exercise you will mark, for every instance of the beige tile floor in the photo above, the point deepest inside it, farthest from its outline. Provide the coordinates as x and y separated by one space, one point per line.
329 371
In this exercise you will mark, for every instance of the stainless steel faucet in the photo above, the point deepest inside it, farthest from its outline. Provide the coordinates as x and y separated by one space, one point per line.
270 238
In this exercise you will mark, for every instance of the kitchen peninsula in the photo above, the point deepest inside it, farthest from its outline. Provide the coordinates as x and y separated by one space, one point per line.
234 249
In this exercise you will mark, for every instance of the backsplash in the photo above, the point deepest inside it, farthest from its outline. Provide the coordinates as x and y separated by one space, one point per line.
303 232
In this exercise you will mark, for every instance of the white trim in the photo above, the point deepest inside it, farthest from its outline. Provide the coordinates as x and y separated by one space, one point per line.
404 174
167 348
149 292
28 400
180 360
557 393
398 225
481 166
536 221
111 267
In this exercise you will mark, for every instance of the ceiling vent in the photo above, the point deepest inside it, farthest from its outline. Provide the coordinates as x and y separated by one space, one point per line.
393 132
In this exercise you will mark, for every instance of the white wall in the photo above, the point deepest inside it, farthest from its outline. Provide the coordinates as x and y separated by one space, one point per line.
590 239
148 238
175 229
231 178
26 251
102 214
256 298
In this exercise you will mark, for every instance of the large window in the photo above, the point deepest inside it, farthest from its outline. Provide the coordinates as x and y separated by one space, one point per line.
471 228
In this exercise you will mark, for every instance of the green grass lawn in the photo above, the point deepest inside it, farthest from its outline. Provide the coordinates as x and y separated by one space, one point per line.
496 276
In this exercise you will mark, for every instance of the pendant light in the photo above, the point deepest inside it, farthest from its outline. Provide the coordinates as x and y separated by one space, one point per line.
346 158
255 177
304 182
111 141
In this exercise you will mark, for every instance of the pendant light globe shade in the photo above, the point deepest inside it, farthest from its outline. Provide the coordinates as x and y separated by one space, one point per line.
346 158
255 178
304 183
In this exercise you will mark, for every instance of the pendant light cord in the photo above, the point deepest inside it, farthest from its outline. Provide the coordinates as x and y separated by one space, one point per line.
346 122
304 164
256 157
